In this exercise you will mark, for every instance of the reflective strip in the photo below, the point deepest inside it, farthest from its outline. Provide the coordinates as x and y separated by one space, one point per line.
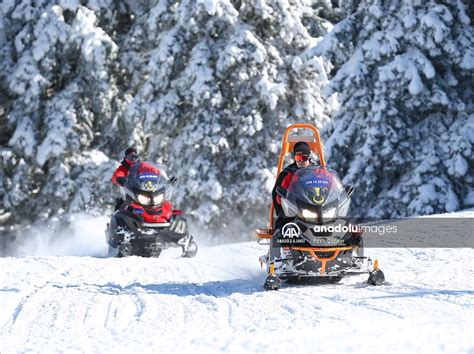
148 224
180 227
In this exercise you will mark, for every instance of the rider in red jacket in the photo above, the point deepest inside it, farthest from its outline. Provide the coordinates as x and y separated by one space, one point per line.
121 173
302 156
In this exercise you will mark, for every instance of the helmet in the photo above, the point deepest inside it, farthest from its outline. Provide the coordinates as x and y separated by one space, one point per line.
131 155
302 147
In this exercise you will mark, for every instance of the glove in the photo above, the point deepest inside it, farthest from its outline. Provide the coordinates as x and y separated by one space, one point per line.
173 180
121 180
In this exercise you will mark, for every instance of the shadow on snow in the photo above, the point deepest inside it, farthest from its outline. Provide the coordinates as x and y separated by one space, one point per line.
213 288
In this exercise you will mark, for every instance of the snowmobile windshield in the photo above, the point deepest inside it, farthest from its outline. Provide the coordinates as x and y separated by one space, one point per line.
147 177
148 184
315 187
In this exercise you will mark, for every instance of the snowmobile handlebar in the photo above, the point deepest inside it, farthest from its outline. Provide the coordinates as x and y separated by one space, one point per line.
173 180
349 190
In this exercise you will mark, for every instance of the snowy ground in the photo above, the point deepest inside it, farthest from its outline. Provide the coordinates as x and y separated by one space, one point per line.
215 302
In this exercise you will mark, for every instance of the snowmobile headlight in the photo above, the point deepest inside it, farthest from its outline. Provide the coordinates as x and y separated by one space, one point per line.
308 214
158 199
329 214
143 199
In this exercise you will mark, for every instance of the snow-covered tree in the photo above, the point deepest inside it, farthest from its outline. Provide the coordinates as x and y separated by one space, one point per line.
59 101
405 128
216 83
206 86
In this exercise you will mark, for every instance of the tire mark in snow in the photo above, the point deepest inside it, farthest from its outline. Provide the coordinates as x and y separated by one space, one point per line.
54 318
107 315
117 291
42 261
108 323
367 305
86 314
7 327
139 306
358 302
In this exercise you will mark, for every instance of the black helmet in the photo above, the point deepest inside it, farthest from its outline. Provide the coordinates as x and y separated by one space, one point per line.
131 154
303 147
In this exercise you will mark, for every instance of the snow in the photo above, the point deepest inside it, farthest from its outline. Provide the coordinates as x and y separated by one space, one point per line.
416 85
270 91
24 136
49 30
354 69
74 242
431 20
3 37
215 302
69 4
461 166
7 5
470 198
97 157
93 40
61 125
467 61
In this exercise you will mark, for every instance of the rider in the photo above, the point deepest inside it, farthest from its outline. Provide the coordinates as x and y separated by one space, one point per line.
121 173
302 157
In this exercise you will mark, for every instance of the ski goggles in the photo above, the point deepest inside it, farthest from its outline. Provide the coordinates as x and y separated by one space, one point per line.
132 157
301 158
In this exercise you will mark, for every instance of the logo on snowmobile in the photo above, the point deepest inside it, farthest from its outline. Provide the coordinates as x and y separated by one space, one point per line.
290 230
318 198
149 185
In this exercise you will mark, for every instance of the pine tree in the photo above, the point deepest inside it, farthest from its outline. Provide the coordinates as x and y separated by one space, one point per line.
207 87
59 96
404 131
217 82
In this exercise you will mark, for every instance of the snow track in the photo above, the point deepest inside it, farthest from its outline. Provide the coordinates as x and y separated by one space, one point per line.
215 302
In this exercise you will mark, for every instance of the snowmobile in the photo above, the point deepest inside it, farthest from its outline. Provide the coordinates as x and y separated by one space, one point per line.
314 240
147 223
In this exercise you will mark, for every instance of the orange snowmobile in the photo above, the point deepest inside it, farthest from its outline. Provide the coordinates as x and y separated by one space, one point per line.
315 239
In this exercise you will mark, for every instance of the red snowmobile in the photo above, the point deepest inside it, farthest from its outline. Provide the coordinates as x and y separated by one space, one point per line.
148 223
